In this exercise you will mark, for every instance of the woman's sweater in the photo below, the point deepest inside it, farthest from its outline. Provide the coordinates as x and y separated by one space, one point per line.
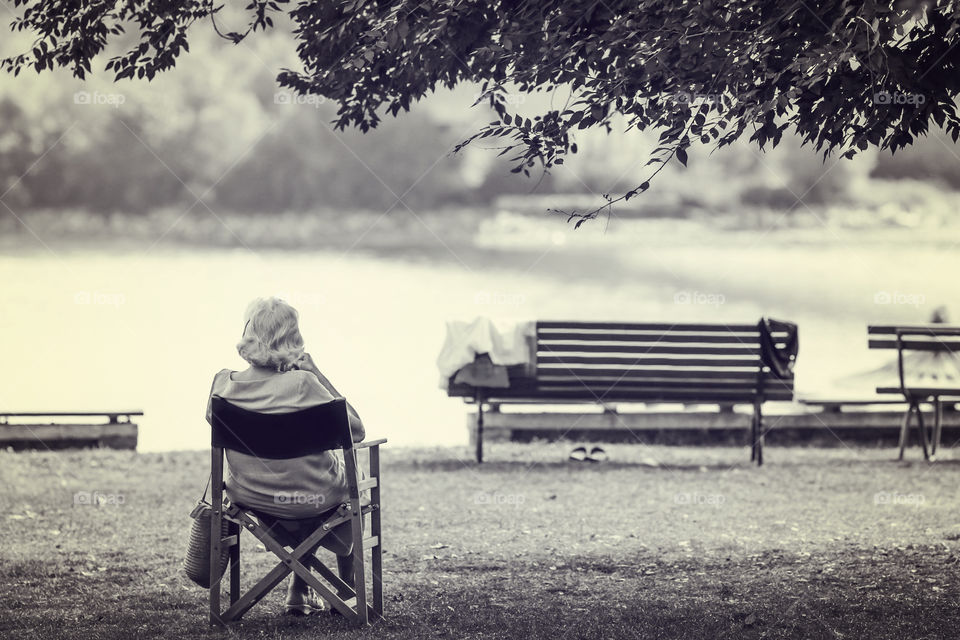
289 488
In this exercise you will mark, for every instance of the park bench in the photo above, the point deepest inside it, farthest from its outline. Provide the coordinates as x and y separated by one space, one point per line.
27 430
930 376
615 362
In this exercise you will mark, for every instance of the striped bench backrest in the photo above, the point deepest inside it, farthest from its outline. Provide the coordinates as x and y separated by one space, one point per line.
654 362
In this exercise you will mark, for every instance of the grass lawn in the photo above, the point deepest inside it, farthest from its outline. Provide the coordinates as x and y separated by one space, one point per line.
657 542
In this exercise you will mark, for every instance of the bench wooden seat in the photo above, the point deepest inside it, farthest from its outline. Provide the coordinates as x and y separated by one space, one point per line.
930 380
62 429
614 362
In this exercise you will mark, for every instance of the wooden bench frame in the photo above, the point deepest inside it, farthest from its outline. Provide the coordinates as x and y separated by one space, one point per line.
616 362
935 338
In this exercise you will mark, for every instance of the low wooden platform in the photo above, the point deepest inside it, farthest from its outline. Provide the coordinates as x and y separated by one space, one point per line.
68 430
822 423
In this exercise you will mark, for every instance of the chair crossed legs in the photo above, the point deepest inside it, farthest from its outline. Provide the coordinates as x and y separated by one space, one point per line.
278 436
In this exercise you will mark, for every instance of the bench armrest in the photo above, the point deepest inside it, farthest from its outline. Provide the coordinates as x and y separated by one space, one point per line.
369 443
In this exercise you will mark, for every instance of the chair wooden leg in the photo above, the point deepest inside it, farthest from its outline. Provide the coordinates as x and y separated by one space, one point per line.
267 583
256 593
298 562
344 591
359 572
905 429
376 562
753 437
216 533
215 619
234 530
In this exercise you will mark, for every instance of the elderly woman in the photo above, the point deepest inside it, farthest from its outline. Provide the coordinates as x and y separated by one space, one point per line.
292 496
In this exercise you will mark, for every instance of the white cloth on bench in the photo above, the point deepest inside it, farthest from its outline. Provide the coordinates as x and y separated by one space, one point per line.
505 343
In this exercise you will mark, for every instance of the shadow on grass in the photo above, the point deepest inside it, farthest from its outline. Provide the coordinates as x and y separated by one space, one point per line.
769 595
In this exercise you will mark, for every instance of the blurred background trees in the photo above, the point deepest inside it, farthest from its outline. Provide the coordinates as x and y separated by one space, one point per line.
219 128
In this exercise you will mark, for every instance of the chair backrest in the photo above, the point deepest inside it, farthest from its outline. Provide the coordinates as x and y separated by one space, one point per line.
917 337
281 435
941 341
656 361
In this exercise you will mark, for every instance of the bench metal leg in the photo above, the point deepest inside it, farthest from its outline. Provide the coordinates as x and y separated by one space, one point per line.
479 452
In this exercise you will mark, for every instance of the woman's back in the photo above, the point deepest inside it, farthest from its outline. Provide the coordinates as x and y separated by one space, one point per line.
289 488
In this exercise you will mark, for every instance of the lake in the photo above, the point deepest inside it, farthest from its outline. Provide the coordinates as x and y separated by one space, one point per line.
120 326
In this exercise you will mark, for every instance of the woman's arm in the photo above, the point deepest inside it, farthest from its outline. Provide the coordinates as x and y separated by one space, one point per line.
306 363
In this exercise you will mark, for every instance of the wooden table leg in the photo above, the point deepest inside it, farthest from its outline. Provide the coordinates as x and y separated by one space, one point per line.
937 424
905 428
758 413
923 433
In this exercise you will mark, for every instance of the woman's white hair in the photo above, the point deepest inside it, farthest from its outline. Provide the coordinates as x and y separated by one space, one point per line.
271 334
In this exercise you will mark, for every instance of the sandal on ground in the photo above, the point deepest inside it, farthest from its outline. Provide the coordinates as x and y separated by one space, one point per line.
597 454
307 605
579 454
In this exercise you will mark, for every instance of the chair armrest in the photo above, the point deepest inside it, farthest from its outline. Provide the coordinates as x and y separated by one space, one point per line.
369 443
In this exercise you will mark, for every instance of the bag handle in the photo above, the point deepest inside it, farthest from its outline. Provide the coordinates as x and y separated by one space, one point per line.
202 504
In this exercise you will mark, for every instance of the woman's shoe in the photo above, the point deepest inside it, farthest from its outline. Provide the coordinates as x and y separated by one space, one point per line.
597 454
307 604
579 454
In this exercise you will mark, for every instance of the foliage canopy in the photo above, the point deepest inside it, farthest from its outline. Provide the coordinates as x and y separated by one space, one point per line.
844 75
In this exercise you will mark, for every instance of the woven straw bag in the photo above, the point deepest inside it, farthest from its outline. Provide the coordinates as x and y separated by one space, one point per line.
197 563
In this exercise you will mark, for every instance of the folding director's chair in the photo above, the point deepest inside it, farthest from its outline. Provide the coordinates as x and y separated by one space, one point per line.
282 436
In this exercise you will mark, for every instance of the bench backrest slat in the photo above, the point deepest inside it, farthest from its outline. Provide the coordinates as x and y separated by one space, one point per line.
932 329
619 361
564 371
646 326
44 414
640 360
918 337
917 345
